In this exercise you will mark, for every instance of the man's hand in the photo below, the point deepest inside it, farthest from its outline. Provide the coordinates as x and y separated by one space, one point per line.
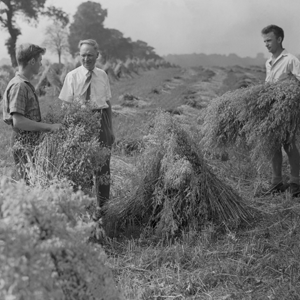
22 123
54 127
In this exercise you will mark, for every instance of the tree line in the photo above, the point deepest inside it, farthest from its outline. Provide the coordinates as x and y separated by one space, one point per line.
62 36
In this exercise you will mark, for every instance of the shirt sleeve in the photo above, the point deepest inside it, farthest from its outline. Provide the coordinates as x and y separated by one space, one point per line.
17 99
295 68
268 69
67 91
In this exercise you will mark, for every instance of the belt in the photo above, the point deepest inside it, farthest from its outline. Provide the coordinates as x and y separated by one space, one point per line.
97 109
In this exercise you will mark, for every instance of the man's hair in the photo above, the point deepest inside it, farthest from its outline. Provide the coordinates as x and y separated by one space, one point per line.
90 42
278 32
26 52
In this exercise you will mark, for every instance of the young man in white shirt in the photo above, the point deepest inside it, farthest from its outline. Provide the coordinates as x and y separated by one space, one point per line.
280 66
88 83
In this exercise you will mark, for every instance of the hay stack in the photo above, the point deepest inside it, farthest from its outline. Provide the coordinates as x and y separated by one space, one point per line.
74 152
177 190
260 117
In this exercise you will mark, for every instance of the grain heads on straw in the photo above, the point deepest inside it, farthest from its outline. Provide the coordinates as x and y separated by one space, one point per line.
262 117
177 190
74 152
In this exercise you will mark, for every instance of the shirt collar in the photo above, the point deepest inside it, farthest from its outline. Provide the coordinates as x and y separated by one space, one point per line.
86 71
283 53
21 76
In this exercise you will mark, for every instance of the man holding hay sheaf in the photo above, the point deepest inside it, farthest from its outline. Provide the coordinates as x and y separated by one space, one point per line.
89 86
21 108
279 67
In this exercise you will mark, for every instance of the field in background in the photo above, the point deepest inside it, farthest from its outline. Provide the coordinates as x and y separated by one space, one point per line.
260 261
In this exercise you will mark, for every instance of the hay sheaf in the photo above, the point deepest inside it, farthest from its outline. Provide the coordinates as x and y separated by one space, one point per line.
261 117
177 191
73 152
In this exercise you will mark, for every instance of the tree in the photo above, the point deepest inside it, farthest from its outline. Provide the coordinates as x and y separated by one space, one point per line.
88 23
116 45
30 10
142 50
56 39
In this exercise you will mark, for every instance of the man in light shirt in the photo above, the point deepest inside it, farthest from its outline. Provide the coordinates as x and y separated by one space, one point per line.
90 84
280 66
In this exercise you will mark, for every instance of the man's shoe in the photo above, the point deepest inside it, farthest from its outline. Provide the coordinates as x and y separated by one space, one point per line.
273 189
294 189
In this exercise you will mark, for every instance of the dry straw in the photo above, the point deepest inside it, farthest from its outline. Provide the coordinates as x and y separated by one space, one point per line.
260 117
74 152
177 190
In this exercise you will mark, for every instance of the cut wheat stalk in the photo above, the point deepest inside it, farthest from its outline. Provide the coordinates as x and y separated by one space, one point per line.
259 118
177 190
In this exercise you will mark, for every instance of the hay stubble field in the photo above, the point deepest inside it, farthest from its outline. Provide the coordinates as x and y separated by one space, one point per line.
259 260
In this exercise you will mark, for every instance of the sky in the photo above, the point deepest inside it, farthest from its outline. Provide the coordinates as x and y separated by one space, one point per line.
188 26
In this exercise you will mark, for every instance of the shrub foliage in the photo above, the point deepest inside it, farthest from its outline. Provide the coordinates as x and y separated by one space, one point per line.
44 252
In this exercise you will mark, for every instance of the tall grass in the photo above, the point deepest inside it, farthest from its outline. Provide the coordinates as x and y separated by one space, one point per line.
43 246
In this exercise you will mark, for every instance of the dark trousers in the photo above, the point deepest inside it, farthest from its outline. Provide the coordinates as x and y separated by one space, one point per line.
294 161
102 176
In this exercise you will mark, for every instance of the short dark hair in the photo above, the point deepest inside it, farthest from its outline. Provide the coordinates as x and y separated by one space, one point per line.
90 42
278 32
26 52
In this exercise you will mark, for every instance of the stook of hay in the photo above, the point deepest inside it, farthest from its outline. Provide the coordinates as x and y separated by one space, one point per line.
177 190
260 117
74 152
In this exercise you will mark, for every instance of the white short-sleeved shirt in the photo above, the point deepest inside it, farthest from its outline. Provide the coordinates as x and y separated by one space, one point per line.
284 66
74 87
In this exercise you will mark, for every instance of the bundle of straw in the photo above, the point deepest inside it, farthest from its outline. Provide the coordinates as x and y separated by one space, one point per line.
262 117
178 191
74 152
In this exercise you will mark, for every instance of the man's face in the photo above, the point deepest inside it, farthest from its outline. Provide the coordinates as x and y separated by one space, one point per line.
36 64
88 55
272 42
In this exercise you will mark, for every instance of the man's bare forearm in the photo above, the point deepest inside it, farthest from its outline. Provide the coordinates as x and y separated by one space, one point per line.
22 123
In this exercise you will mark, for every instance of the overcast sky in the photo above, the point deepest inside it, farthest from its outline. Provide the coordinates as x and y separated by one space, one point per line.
189 26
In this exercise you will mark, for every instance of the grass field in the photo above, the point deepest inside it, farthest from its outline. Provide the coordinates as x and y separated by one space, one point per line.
258 261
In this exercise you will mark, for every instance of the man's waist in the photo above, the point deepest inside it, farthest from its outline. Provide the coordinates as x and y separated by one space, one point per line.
99 109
